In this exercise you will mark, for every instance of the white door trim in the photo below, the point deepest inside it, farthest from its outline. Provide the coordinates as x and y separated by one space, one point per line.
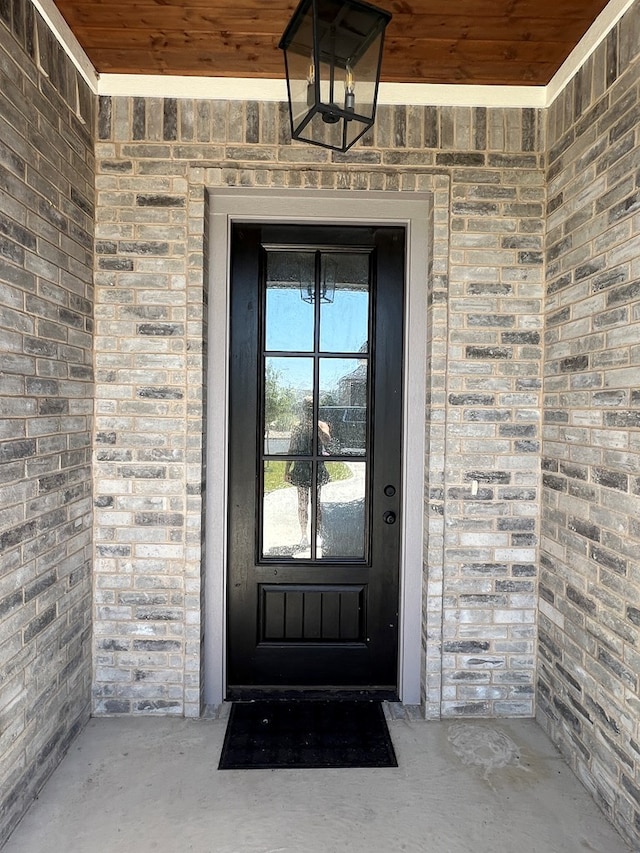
318 207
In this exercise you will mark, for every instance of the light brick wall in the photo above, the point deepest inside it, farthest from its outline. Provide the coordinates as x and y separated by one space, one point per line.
589 674
484 169
493 441
46 403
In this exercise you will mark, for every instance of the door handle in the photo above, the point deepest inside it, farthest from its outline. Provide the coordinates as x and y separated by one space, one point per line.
389 517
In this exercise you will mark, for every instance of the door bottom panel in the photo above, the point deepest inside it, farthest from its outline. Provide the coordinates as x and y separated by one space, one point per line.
302 613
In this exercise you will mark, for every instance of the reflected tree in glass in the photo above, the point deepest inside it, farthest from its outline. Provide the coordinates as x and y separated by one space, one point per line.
279 400
283 379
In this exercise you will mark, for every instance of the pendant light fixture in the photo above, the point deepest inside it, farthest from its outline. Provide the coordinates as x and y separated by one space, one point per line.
332 53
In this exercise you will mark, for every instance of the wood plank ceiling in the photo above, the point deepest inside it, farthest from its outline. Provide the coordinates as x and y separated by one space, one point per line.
494 42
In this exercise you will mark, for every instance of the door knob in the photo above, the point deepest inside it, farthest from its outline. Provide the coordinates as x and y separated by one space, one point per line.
389 517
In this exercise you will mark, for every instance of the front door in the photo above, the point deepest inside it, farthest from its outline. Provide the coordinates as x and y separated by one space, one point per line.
314 459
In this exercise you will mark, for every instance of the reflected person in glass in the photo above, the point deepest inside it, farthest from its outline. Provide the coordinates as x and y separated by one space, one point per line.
299 473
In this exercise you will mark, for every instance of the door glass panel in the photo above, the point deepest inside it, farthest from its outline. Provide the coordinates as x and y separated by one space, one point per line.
281 531
343 403
289 311
315 405
339 509
341 512
344 312
287 508
288 380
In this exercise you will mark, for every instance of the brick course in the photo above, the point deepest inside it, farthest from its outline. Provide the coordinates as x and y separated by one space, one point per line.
46 400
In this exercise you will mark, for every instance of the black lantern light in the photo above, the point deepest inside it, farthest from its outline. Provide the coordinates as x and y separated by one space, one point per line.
332 55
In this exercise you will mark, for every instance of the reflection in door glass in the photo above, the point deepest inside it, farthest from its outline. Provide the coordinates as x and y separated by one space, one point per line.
339 506
344 315
281 533
315 404
289 301
286 384
288 505
343 403
341 512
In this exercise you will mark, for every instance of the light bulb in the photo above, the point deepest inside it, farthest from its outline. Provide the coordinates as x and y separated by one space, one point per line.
311 83
349 89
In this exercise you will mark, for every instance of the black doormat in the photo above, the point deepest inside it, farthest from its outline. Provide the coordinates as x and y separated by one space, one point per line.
318 733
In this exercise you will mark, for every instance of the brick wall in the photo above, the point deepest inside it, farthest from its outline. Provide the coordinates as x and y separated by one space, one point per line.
484 169
492 435
46 401
589 674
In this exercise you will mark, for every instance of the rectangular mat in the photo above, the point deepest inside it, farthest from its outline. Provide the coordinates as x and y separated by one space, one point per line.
314 733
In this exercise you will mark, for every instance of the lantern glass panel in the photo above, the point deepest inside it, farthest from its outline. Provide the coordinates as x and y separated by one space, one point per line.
301 92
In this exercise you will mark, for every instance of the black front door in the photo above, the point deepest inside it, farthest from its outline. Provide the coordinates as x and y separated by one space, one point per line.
315 459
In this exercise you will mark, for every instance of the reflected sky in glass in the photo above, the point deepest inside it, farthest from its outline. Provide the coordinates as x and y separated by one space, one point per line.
292 372
289 318
344 322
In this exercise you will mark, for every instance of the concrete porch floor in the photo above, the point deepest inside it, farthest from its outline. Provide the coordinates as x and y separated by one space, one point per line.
151 785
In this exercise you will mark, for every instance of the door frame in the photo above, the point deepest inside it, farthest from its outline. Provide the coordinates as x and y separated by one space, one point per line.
315 207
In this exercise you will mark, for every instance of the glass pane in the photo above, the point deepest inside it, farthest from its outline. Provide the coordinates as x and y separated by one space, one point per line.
343 403
341 511
344 311
302 437
288 380
282 515
289 301
287 508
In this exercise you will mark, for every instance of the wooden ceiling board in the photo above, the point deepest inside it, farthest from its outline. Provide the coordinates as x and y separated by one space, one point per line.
505 42
148 16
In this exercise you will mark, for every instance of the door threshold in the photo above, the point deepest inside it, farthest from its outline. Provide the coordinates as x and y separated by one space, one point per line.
289 694
393 709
